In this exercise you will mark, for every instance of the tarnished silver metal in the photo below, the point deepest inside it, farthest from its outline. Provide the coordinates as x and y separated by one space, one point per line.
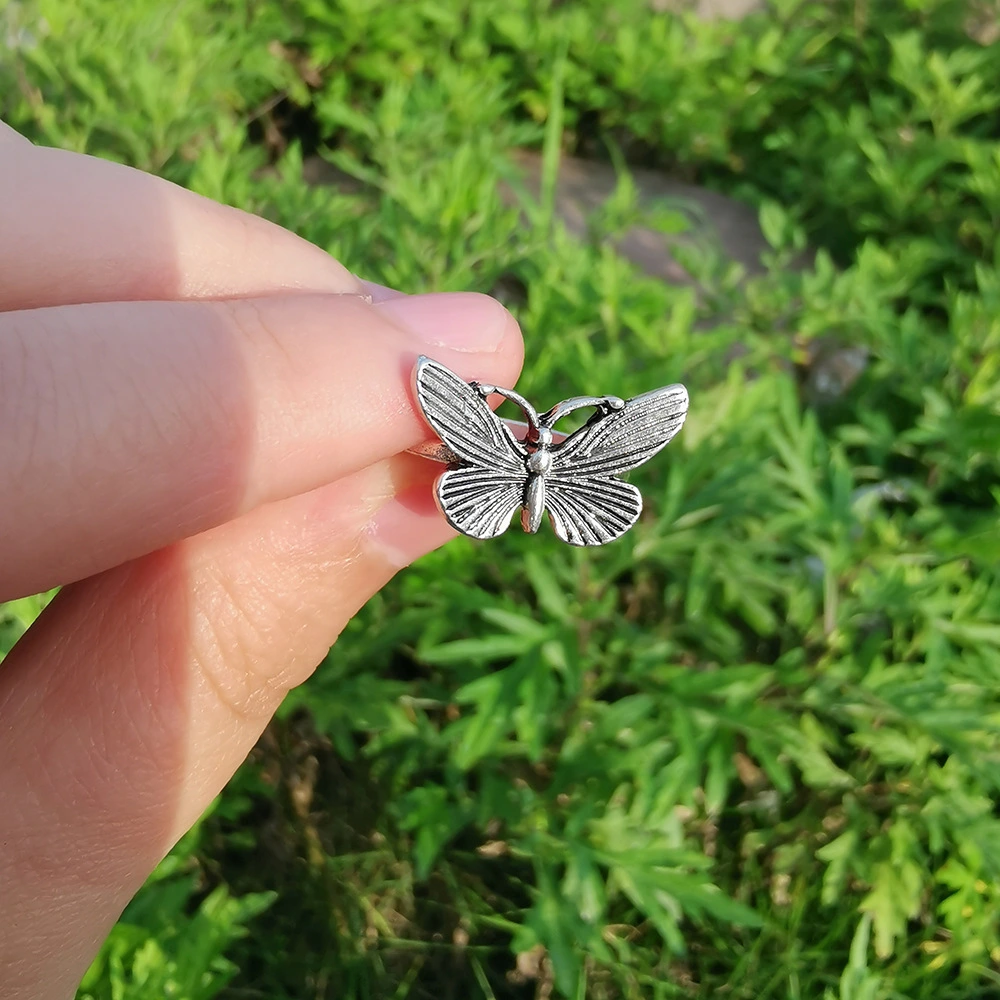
492 472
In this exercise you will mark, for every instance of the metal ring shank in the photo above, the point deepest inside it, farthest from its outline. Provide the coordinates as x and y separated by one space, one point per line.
438 451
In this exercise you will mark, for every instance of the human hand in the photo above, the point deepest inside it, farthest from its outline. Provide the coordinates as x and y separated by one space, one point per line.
202 425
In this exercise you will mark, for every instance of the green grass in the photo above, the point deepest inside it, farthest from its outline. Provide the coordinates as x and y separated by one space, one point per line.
752 749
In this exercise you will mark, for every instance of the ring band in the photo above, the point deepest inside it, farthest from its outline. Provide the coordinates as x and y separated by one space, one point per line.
438 451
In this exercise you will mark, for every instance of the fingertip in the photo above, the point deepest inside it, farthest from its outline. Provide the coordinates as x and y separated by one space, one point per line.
469 332
422 314
457 321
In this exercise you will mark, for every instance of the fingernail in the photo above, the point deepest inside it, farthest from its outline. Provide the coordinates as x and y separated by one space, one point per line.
462 321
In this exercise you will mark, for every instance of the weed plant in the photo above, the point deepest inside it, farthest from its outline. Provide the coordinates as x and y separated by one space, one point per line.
751 750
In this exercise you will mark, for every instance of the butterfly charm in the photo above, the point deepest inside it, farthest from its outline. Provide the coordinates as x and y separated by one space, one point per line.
491 473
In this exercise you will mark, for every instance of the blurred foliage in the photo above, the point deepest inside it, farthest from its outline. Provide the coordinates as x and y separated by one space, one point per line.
163 946
753 747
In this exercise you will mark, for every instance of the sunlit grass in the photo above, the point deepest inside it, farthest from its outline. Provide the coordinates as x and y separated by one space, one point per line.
750 750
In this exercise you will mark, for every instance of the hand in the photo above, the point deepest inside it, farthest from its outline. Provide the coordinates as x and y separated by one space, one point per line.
202 418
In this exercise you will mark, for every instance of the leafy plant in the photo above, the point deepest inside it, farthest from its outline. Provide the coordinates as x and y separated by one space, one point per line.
753 746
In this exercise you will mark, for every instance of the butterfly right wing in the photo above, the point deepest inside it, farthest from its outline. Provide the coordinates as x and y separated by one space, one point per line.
591 511
612 443
480 497
587 504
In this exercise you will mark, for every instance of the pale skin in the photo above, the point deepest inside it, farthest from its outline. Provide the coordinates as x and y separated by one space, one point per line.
202 427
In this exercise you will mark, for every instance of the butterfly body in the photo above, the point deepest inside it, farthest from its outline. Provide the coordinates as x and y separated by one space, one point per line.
539 462
574 480
534 503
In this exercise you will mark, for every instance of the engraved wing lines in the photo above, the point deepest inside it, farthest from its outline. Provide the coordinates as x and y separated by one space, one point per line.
585 503
591 511
479 502
480 498
623 440
464 422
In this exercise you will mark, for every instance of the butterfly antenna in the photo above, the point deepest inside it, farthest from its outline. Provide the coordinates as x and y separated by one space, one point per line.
603 403
534 424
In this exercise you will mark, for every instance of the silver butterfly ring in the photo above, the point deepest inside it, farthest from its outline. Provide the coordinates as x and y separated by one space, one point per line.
491 472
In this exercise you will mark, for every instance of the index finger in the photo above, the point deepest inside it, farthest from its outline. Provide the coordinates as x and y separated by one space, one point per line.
77 229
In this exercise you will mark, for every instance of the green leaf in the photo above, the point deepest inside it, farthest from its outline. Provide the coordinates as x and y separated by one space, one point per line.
893 900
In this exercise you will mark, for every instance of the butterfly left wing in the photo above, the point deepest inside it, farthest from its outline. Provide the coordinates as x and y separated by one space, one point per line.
591 511
479 502
480 495
459 414
612 443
